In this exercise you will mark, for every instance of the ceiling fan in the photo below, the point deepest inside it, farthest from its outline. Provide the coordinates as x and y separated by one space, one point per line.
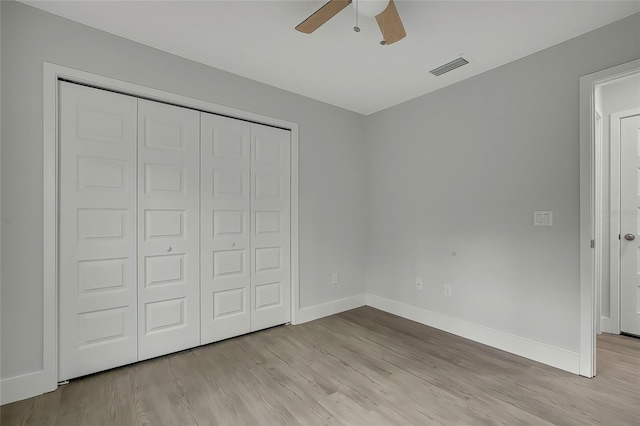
385 12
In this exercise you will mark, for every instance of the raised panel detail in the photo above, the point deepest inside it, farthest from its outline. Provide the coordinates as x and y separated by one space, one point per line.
267 259
267 151
101 326
101 274
98 173
268 295
159 177
164 314
229 262
267 222
101 224
228 222
227 183
100 126
164 224
267 186
226 144
164 269
163 135
227 303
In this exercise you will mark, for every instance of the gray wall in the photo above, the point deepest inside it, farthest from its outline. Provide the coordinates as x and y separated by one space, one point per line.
331 163
440 188
616 97
461 170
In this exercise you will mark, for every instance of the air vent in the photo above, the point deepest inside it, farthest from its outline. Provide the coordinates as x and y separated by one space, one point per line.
450 66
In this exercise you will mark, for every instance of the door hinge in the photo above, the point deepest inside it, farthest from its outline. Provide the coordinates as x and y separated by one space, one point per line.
593 243
619 236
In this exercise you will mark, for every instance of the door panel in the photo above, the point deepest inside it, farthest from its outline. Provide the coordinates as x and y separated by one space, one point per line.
97 231
630 224
168 229
224 232
270 217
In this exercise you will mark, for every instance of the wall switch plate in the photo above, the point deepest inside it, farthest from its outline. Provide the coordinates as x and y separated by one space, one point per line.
419 285
335 279
542 218
448 290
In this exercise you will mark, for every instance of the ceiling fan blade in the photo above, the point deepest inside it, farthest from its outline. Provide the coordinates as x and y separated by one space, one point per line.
322 15
391 25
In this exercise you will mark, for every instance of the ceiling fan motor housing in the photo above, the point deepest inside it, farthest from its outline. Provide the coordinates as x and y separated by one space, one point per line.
370 8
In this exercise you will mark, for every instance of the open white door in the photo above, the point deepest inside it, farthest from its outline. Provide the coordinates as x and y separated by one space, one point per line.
630 225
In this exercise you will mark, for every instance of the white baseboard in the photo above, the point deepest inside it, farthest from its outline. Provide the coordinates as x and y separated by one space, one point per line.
23 387
608 325
33 384
330 308
536 351
605 324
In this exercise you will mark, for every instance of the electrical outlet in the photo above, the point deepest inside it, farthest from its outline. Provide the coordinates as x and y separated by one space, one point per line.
335 279
448 290
419 284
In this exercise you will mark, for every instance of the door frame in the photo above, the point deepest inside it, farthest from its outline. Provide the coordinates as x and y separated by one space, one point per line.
588 212
598 208
52 73
614 278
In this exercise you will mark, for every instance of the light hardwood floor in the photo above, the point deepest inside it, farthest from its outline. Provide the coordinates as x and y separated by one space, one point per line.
361 367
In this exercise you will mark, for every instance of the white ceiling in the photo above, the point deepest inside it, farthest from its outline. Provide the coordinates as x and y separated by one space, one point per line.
257 40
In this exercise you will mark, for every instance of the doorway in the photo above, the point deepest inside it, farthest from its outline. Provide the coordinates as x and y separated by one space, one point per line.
617 108
610 101
629 135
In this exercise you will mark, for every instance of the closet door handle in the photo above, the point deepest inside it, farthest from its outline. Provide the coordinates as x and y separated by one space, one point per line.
170 248
233 244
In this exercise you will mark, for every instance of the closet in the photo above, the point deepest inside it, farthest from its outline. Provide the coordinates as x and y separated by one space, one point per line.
174 228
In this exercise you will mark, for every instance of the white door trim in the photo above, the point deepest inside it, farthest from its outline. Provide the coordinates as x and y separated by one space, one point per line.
614 281
598 222
588 214
47 378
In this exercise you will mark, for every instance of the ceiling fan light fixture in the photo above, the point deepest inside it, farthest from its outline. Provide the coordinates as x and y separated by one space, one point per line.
370 8
385 12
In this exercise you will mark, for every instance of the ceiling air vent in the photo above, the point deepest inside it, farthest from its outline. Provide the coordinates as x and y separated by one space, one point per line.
450 66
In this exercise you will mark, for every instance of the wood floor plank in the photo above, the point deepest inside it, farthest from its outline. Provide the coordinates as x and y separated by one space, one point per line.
362 366
33 411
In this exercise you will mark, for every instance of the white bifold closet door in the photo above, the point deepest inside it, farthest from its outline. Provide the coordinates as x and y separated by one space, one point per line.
174 229
97 230
245 235
168 229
